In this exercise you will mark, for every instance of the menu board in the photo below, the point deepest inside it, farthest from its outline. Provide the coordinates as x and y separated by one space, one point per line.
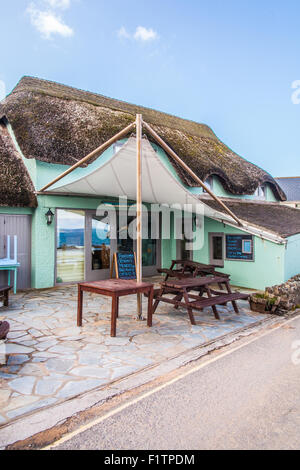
126 268
239 247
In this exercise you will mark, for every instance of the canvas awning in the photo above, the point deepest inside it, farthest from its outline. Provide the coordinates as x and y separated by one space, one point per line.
117 177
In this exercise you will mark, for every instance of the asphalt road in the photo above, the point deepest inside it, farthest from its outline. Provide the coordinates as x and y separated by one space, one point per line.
247 399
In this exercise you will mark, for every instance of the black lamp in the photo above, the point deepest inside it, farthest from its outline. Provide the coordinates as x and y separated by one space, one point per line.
49 216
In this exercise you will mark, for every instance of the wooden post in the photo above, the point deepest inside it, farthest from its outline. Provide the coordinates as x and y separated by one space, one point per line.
139 210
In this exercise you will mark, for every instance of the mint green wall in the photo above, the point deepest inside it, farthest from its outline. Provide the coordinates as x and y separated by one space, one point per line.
267 268
292 257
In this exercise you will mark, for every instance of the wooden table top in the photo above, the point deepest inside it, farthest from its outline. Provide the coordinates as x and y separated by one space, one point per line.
116 285
194 282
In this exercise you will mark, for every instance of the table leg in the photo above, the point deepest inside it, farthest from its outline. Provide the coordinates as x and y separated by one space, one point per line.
150 307
213 306
177 298
157 301
189 308
234 304
8 277
79 306
15 280
114 314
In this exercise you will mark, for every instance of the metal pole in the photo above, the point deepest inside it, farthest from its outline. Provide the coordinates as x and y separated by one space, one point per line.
139 210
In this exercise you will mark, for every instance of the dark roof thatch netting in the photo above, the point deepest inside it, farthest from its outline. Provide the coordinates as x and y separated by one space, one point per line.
16 188
273 217
59 124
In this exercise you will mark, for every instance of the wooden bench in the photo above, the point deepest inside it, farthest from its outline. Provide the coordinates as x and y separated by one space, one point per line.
183 297
4 294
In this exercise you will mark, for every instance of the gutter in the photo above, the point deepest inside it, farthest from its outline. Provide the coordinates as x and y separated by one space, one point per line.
258 232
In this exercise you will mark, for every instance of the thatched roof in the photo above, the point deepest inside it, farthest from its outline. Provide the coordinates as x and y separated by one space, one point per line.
276 218
59 124
16 188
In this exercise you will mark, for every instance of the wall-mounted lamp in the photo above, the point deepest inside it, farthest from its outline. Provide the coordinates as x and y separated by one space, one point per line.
49 216
196 222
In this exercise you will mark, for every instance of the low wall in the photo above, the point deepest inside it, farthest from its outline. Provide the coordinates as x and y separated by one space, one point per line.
287 293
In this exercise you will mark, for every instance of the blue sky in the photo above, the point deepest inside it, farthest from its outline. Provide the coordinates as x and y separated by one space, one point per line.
230 64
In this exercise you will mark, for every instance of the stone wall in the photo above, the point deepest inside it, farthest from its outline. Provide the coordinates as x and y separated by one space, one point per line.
287 293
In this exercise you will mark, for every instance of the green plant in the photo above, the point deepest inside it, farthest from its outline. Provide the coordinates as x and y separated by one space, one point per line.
270 301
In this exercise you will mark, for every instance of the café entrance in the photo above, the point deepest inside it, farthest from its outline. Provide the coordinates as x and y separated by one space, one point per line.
86 242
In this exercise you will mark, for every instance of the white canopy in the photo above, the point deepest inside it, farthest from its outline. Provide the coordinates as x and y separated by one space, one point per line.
117 177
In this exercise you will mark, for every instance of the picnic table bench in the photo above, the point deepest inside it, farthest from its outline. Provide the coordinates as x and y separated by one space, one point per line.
182 288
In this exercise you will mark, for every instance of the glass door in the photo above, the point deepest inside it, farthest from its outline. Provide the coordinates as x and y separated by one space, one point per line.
150 246
70 251
182 244
99 246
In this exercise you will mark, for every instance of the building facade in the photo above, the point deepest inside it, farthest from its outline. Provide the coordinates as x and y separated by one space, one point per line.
63 238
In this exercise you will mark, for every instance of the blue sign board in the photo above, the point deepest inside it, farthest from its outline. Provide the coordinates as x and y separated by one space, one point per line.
239 247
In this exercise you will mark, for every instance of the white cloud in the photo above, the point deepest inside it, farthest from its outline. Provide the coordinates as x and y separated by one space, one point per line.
141 34
48 23
123 33
144 34
63 4
2 90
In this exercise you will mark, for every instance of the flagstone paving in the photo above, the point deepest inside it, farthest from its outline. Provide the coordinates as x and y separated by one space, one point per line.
50 359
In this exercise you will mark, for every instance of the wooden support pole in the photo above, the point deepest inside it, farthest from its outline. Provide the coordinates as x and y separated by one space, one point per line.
95 153
139 210
189 171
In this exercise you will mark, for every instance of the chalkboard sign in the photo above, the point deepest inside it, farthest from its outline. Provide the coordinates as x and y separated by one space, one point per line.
239 247
125 264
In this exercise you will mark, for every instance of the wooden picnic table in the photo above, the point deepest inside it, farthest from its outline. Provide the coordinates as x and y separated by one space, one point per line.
182 288
115 288
181 269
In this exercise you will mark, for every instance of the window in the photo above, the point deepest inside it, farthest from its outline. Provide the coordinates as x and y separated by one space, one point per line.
247 246
260 192
100 243
216 247
209 183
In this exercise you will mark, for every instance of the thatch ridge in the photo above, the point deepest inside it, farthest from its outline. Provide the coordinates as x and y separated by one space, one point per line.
59 124
16 187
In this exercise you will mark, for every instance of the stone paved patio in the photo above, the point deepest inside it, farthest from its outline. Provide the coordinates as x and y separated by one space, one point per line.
50 359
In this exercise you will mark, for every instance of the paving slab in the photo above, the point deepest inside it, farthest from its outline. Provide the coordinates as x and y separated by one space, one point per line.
51 360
